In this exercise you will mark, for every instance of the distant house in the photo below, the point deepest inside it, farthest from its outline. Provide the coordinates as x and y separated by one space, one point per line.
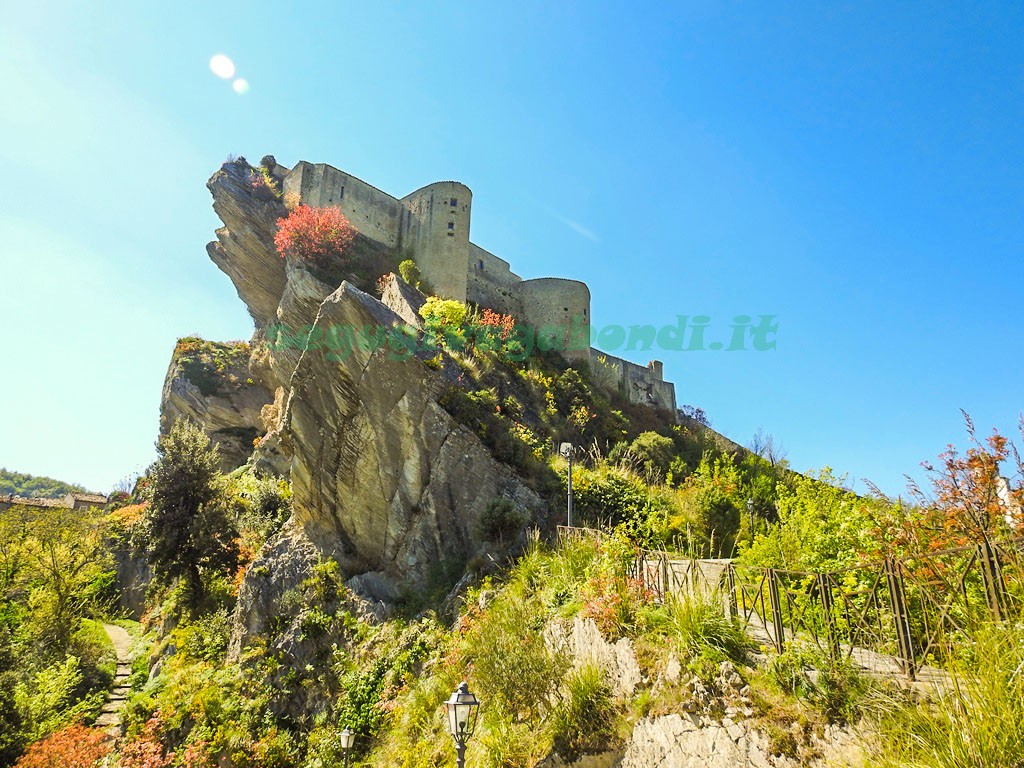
83 500
71 501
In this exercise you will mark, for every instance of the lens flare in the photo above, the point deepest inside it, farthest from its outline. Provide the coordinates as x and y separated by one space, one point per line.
222 66
241 85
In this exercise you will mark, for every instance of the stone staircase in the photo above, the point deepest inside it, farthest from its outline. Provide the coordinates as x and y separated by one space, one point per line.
110 717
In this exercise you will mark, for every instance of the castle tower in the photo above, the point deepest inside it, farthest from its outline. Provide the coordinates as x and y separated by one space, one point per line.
558 311
436 235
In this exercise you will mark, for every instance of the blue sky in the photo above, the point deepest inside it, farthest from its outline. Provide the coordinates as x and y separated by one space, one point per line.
854 169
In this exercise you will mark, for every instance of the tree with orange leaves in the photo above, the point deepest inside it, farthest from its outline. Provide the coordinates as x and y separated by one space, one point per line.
971 500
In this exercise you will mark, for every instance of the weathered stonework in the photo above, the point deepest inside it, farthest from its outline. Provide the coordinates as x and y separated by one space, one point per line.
432 226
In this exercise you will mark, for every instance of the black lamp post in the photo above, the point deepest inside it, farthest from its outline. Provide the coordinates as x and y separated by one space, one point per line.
347 740
566 449
462 711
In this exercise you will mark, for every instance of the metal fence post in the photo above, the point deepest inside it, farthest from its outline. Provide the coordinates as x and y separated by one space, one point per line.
825 595
898 600
776 605
730 572
666 585
992 576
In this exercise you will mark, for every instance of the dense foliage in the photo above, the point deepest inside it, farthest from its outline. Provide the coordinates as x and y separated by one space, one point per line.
189 531
56 576
209 365
314 235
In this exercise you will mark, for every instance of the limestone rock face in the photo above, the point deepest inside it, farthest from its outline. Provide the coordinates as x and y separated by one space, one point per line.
583 641
403 299
383 479
244 248
680 741
225 403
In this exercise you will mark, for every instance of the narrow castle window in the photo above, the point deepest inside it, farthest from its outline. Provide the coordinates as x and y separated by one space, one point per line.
341 194
454 202
480 265
451 225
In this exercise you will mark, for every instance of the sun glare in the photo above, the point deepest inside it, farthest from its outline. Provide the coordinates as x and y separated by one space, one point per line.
241 85
222 66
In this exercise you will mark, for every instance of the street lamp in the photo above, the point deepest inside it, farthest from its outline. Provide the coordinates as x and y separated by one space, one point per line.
566 450
347 740
462 712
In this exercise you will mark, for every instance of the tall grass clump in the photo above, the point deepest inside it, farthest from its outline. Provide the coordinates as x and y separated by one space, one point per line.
976 719
585 718
697 621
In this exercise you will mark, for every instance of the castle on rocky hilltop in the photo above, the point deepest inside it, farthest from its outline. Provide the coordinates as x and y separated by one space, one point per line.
432 227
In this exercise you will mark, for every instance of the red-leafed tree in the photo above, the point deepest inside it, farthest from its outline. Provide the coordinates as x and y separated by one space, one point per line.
72 747
314 235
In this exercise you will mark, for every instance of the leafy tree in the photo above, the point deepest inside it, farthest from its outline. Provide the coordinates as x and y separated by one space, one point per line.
66 568
821 527
970 500
714 496
446 320
11 719
655 452
314 235
188 530
410 272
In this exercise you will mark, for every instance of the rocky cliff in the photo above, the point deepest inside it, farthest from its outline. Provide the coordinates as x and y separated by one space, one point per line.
384 481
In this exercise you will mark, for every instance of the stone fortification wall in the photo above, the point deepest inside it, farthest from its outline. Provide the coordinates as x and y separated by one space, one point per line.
376 214
559 310
437 235
491 282
640 384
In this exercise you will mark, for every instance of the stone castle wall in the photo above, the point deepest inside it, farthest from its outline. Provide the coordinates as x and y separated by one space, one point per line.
559 312
437 235
432 226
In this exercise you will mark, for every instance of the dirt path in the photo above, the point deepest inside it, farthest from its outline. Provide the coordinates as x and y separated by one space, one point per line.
110 718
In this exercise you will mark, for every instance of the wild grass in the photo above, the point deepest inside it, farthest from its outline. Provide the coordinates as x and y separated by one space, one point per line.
585 718
697 622
975 720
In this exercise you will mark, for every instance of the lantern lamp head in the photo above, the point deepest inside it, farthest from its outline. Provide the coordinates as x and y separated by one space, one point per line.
462 713
347 739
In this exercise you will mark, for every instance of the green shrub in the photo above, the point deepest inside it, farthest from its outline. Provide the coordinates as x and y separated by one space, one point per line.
96 655
697 621
513 667
500 518
205 639
410 272
835 688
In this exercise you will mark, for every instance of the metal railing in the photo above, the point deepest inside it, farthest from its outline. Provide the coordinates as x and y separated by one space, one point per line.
916 610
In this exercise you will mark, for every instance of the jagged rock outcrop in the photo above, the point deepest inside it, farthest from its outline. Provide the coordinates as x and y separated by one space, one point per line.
210 384
384 480
692 741
244 248
403 299
335 392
